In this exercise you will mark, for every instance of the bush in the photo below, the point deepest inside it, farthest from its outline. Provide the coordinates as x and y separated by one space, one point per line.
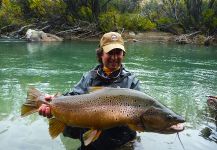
47 8
70 19
210 19
10 13
108 21
164 21
85 13
114 20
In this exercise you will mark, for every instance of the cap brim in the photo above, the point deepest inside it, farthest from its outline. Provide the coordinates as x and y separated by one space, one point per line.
110 47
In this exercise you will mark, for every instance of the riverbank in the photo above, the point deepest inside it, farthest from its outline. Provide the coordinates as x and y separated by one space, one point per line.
148 36
158 36
130 36
193 38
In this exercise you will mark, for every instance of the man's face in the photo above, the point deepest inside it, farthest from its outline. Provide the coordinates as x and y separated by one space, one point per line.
113 59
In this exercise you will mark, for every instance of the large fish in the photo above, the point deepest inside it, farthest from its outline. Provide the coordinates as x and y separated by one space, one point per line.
105 108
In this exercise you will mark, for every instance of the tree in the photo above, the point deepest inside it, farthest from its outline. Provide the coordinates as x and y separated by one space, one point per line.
194 10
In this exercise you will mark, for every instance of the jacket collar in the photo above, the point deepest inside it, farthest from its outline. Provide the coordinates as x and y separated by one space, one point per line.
114 75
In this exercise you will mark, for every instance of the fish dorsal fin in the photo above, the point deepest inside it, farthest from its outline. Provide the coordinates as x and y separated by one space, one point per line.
91 136
55 127
57 94
95 88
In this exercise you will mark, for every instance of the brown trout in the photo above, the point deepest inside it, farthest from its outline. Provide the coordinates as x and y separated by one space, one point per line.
105 108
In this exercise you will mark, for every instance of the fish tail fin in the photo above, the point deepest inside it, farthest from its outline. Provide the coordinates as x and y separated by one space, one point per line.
32 103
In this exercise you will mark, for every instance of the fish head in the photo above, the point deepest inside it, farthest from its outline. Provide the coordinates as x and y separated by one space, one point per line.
160 119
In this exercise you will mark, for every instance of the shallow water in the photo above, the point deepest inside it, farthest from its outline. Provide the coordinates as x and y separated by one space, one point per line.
180 76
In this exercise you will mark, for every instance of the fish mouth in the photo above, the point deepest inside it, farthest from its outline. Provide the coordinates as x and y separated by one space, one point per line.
174 128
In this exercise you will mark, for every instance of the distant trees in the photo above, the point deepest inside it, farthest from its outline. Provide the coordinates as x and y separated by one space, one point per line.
10 13
176 16
183 15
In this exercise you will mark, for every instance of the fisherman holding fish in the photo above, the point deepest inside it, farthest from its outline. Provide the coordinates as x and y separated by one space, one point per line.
109 73
104 118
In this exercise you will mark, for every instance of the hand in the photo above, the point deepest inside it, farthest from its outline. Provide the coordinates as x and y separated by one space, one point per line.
48 97
44 110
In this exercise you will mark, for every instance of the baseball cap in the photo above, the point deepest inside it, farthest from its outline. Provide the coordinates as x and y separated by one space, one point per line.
110 41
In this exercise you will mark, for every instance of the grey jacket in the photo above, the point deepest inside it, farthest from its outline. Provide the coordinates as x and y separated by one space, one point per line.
110 138
119 79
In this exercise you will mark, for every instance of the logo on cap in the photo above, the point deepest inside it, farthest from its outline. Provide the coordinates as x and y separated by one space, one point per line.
114 37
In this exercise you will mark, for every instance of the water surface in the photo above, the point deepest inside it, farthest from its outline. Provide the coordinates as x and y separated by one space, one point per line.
180 76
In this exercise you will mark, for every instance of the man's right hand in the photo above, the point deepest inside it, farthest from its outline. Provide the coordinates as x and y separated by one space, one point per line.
44 110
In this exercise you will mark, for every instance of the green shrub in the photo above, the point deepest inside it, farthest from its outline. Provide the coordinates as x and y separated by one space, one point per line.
10 13
136 22
143 23
47 8
210 19
85 13
70 19
109 21
114 20
164 21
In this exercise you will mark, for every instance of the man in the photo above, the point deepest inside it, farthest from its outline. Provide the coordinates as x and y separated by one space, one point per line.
109 73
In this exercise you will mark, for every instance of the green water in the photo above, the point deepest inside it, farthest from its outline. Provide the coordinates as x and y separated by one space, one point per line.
180 76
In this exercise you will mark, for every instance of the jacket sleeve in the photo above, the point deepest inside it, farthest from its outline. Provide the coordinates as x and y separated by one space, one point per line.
134 83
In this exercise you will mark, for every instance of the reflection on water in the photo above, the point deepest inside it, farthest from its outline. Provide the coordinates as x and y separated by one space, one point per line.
180 76
34 47
69 143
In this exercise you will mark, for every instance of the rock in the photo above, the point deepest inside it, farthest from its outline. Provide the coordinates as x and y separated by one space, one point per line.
132 34
40 36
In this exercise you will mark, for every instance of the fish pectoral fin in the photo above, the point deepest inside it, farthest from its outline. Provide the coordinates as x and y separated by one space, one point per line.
91 136
55 127
137 127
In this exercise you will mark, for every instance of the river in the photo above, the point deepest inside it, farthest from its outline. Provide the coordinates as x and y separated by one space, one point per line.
180 76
